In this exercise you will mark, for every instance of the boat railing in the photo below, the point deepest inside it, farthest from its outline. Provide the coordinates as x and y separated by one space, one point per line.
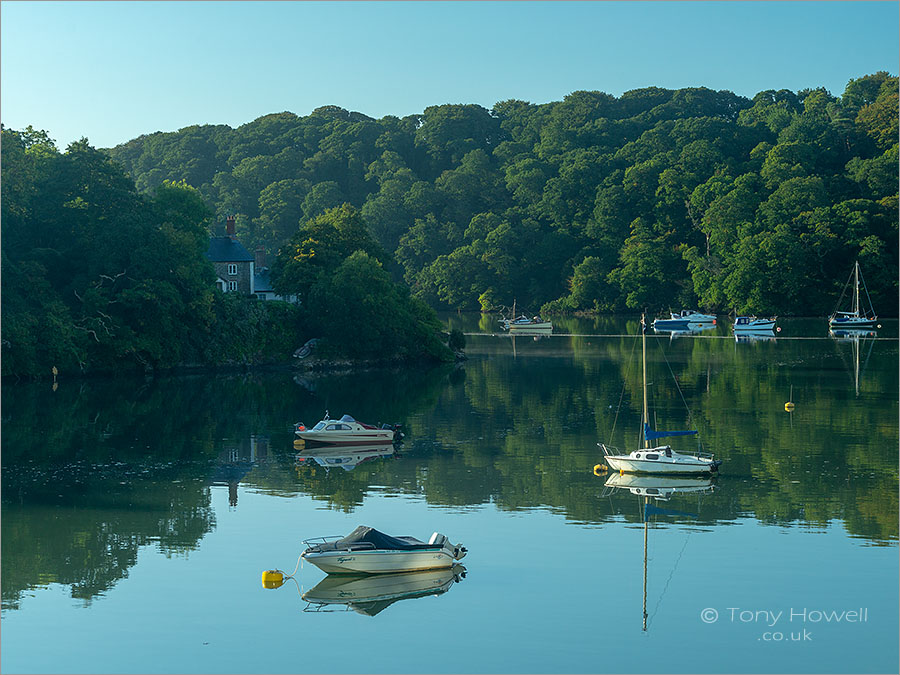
315 541
608 449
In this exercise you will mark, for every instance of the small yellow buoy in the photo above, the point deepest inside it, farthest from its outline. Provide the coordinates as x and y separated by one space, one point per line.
788 406
600 469
621 472
272 579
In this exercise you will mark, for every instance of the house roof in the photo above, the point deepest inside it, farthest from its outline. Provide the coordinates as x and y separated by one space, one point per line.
226 249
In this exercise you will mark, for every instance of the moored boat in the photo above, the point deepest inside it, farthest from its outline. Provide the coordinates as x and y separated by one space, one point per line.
524 324
659 459
368 551
753 324
683 320
347 431
857 316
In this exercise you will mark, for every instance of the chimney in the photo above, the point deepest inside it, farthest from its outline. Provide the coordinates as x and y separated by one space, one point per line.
229 227
260 257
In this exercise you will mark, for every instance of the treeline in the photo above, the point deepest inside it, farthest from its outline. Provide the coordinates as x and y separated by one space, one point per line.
97 276
656 199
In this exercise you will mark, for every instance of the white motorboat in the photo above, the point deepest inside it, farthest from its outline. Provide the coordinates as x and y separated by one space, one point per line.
346 457
373 593
347 431
523 324
368 551
856 317
659 459
683 320
752 324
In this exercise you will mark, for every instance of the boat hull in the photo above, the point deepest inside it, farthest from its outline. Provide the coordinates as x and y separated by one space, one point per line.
852 322
337 438
671 324
380 561
755 326
530 327
646 466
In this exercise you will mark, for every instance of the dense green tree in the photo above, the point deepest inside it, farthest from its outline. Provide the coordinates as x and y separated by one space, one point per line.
517 197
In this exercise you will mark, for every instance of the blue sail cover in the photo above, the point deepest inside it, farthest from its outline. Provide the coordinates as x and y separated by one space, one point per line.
650 435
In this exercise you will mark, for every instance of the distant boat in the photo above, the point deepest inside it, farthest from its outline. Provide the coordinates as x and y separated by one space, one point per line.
347 431
683 320
660 459
752 324
368 551
857 317
524 324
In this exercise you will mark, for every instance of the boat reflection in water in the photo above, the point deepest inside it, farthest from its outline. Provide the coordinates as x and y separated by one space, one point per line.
659 488
347 457
372 594
685 331
754 336
856 337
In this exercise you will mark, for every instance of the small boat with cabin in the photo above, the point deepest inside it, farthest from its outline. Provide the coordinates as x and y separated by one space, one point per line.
683 320
752 324
368 551
347 431
856 317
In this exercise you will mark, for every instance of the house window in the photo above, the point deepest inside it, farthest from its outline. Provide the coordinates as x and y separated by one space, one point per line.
232 269
232 285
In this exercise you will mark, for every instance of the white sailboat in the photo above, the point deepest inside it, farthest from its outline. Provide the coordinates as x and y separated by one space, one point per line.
659 459
857 317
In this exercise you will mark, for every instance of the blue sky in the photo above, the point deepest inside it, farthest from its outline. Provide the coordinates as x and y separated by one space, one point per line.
112 71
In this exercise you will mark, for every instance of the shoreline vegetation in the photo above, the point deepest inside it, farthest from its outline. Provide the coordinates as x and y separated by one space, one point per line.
589 206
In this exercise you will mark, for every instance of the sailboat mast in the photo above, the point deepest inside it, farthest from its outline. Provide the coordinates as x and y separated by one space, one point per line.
856 283
646 501
646 419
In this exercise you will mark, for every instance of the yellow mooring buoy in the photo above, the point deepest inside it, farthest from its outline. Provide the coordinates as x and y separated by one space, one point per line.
789 406
600 469
272 579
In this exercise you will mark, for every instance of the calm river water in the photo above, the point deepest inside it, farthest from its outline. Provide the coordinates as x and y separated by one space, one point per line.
138 515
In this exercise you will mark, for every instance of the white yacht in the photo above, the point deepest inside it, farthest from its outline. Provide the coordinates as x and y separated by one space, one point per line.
659 459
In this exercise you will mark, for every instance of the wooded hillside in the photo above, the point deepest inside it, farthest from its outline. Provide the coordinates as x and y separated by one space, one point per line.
656 199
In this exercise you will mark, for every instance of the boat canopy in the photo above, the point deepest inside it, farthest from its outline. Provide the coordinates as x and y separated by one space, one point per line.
369 535
650 435
347 418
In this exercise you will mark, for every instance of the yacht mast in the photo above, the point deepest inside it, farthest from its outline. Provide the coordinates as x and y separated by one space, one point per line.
646 419
856 283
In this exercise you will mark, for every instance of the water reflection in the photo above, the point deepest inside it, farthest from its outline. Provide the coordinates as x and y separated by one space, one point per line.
372 594
861 342
662 489
347 457
691 330
98 469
